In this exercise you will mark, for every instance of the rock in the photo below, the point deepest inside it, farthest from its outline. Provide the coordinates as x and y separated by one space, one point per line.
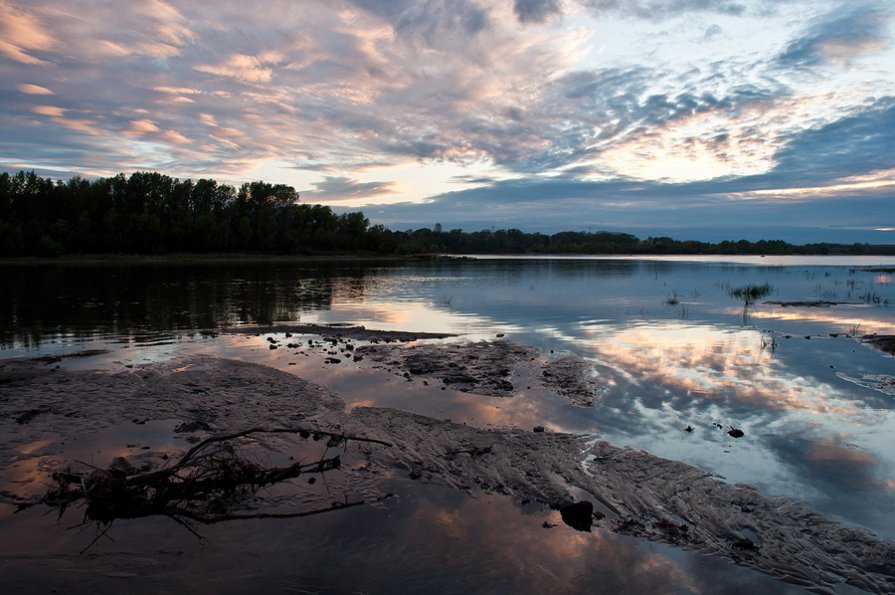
189 427
688 429
538 429
579 515
28 416
735 433
122 466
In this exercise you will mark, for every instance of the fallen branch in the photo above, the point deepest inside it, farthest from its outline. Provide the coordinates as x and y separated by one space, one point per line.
206 485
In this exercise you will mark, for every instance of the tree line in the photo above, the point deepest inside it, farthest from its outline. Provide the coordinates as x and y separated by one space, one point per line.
152 213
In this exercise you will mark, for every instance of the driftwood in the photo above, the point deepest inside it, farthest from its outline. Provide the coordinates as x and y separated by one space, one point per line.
207 485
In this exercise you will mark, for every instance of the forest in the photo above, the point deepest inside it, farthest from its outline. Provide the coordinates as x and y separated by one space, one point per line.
149 213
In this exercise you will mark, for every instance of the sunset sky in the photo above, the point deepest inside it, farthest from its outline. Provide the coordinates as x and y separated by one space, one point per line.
705 119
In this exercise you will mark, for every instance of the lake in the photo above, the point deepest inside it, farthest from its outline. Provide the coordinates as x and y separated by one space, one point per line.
669 344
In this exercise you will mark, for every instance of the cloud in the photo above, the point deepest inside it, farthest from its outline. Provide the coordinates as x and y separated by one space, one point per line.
29 89
857 143
839 37
48 110
22 34
662 9
712 31
161 51
141 127
169 23
250 69
536 11
172 136
435 23
344 188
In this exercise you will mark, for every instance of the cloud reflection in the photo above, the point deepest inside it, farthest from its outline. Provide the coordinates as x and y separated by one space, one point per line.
712 364
845 319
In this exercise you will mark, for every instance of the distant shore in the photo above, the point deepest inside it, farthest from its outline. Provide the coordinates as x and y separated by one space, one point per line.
372 257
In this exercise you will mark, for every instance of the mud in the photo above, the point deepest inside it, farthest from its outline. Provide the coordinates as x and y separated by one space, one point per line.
492 368
884 343
808 304
336 332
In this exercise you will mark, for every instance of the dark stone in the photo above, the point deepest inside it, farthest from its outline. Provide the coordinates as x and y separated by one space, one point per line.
122 466
735 433
688 429
28 416
538 429
745 544
579 515
192 426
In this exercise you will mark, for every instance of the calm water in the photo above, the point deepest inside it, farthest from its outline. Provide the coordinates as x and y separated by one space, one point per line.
668 347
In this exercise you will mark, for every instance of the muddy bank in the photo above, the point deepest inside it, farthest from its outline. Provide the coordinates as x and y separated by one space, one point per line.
632 492
885 343
808 304
334 332
639 494
492 368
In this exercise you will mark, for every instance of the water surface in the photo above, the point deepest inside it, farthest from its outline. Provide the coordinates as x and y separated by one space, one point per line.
667 344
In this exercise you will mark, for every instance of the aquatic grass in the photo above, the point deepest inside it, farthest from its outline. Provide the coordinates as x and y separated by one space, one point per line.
673 299
750 293
871 297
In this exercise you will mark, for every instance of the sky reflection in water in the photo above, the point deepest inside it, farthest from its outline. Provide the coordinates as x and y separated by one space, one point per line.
669 347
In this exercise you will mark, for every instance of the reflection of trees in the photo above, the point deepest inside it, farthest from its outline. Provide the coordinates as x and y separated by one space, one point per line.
160 299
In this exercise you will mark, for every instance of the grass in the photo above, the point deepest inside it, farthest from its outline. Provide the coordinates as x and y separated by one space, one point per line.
750 293
871 297
672 300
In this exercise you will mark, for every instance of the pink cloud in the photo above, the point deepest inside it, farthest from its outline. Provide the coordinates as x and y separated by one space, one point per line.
48 110
29 89
141 127
21 33
251 69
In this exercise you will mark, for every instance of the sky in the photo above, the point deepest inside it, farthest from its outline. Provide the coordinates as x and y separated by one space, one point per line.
695 119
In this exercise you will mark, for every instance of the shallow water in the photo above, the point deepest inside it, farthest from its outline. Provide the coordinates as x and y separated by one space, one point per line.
669 347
